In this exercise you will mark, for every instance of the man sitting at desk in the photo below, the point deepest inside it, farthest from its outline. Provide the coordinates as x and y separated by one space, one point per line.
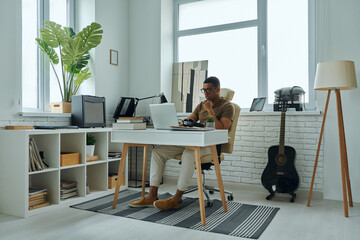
223 112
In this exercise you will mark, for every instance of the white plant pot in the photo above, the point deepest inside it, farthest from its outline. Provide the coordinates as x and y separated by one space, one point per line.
210 124
90 149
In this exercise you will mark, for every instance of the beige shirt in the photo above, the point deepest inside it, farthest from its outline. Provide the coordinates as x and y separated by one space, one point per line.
222 109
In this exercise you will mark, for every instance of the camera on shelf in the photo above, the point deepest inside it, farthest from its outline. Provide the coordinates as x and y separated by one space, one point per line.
289 97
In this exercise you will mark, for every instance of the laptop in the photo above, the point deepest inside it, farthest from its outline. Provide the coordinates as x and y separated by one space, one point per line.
163 115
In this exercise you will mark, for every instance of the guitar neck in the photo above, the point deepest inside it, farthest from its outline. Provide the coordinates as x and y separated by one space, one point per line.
282 133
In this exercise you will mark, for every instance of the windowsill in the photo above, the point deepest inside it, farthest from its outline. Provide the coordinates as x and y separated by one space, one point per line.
44 114
294 113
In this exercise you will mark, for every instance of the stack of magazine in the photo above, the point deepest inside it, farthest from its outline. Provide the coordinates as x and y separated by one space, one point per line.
36 163
68 189
37 198
130 123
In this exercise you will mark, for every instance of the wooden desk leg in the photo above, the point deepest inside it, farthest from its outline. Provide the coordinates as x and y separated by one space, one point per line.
144 170
200 185
218 175
120 171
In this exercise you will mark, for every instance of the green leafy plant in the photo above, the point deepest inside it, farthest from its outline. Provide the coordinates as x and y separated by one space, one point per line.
74 53
90 139
211 118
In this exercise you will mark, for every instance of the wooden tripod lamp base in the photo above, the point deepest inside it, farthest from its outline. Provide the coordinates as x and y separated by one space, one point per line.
337 75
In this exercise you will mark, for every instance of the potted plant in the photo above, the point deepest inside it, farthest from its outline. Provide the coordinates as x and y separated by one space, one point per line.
90 145
74 54
210 123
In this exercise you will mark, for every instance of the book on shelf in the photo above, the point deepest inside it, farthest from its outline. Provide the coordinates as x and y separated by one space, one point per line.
18 127
67 184
64 191
36 162
130 120
39 205
114 154
36 201
37 196
35 190
68 195
132 126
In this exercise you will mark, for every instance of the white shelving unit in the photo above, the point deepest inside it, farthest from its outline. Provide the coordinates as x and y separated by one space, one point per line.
15 179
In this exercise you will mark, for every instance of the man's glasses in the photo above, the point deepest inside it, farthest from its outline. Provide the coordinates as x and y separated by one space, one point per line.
203 90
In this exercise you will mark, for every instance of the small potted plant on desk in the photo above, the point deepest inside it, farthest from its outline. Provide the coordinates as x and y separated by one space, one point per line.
90 145
210 123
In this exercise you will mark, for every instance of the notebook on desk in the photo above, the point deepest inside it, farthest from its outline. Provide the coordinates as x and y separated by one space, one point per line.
163 115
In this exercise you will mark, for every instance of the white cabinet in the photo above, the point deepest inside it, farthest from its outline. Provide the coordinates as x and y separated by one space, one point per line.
15 178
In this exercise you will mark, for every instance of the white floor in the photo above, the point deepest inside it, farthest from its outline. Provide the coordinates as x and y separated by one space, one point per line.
323 220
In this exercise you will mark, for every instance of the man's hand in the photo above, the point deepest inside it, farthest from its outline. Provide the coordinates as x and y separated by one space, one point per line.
208 107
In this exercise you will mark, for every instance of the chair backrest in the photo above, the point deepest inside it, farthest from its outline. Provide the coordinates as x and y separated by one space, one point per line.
228 94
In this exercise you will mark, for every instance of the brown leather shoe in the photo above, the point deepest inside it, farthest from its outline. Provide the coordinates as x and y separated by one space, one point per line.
143 202
166 204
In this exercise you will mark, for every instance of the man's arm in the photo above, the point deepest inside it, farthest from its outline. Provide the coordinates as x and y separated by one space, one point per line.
222 123
194 117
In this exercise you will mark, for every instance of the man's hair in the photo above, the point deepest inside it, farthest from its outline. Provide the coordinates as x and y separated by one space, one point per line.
214 80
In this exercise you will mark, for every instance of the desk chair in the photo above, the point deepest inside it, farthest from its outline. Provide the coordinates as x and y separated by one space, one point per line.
206 161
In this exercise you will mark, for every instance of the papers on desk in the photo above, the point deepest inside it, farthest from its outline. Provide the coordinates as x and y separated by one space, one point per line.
183 128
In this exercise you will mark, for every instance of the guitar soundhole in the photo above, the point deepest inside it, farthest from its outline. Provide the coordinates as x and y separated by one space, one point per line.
281 159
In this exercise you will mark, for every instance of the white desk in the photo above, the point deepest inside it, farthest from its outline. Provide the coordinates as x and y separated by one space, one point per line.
190 139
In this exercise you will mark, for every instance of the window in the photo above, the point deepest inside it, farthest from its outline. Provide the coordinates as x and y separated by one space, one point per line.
254 47
39 86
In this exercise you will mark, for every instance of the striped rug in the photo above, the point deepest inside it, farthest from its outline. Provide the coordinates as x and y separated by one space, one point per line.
241 220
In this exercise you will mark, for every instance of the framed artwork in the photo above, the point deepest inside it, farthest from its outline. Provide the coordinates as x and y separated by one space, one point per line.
187 80
114 57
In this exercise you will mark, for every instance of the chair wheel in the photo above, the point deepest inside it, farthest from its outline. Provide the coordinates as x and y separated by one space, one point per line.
209 203
211 191
230 197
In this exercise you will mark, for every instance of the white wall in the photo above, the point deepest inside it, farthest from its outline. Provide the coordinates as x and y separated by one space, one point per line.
339 39
111 81
10 57
150 48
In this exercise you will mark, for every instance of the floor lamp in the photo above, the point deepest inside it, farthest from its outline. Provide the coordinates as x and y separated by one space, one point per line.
336 75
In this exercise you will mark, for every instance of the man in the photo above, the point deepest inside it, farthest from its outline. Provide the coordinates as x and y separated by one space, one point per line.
223 112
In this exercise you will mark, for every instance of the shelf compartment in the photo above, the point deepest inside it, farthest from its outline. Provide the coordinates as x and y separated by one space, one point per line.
48 180
77 175
50 145
73 143
97 176
101 144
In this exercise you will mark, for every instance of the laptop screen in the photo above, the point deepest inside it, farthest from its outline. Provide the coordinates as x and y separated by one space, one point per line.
163 115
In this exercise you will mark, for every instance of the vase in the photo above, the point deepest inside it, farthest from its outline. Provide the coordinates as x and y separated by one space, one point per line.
90 149
210 124
61 107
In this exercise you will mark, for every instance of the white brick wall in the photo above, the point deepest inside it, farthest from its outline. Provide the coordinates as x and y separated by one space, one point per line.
255 134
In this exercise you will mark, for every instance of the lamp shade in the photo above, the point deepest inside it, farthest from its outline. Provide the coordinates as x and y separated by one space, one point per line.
335 75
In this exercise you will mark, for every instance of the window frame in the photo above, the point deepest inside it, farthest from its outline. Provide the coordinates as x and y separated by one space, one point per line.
261 24
43 65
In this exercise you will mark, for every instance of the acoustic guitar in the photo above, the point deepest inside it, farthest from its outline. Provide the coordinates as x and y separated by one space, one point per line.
280 174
